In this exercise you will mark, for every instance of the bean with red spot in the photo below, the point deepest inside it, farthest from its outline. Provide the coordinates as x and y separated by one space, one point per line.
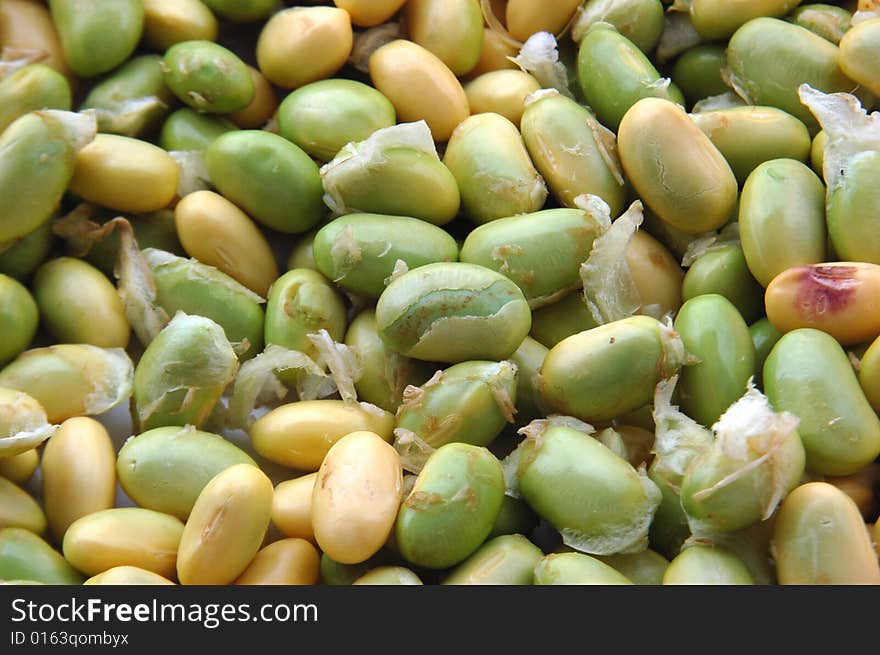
840 298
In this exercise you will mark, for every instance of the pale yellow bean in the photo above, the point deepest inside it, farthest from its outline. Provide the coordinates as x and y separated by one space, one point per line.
299 434
494 55
819 538
356 497
525 17
420 86
19 468
79 473
19 510
226 526
127 575
304 44
284 562
451 29
262 107
124 536
367 13
217 233
860 488
676 170
125 174
656 274
292 507
502 92
167 22
28 25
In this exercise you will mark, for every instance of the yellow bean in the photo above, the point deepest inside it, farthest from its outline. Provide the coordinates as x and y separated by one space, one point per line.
19 510
27 25
19 468
125 174
226 526
79 473
167 22
494 55
525 17
127 575
367 13
262 107
676 170
79 304
860 488
304 44
356 497
502 92
656 274
420 86
219 234
299 434
285 562
451 29
819 538
123 536
839 298
292 507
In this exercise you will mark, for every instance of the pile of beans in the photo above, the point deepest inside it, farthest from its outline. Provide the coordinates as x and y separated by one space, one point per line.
439 292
